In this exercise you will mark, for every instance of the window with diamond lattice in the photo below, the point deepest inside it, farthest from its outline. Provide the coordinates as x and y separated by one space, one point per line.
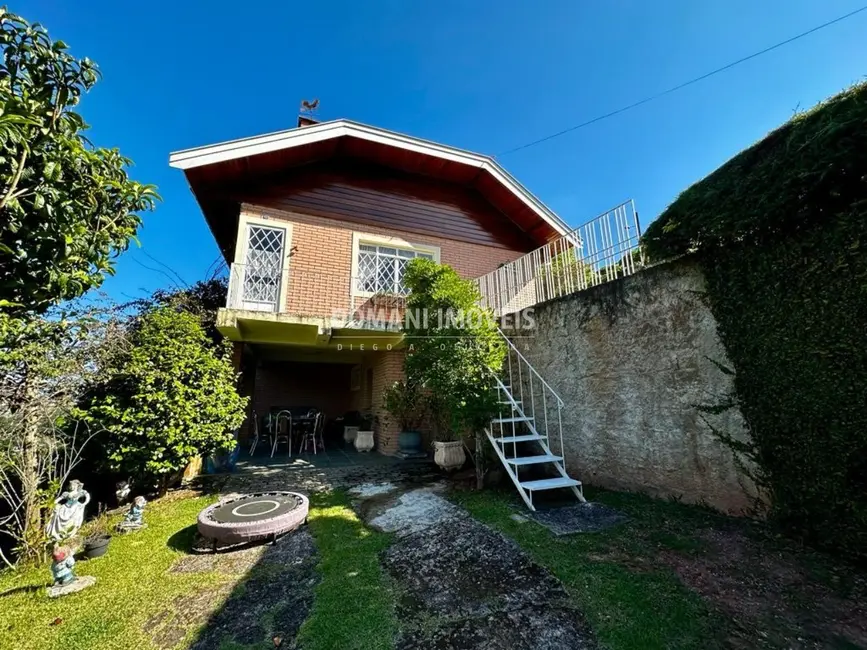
263 265
381 268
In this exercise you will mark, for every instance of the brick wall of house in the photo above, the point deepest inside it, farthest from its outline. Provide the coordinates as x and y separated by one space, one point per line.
321 263
320 270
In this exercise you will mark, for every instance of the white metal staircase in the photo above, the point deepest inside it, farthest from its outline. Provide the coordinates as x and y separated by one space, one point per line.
530 417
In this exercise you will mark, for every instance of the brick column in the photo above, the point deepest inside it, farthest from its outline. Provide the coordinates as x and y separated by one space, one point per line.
387 369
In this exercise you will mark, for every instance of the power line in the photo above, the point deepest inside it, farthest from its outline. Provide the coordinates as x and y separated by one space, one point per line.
683 85
150 268
175 273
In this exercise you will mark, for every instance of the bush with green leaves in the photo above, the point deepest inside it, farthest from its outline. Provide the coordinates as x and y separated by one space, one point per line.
67 208
566 274
454 349
781 233
172 397
202 299
405 402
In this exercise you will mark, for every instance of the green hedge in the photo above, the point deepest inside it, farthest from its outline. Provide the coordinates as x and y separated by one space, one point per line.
781 232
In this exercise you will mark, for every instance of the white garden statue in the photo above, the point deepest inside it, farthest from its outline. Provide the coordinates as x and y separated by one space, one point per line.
68 512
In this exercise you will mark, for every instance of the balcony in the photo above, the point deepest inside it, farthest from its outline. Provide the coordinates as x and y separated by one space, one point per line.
267 303
603 249
308 308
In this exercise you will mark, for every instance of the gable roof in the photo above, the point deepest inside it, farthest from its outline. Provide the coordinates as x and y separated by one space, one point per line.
404 152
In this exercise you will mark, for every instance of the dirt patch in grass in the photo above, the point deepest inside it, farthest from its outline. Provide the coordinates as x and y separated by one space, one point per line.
770 595
272 602
287 551
537 627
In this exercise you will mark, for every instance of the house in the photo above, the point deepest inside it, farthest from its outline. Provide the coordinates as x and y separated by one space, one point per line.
318 223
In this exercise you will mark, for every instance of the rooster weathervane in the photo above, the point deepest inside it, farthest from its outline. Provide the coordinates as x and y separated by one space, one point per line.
309 108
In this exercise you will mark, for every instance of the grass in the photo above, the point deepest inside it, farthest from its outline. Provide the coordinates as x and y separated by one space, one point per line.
629 601
132 586
354 605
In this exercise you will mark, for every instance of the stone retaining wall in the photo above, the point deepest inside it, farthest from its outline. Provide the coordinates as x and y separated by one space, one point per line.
632 359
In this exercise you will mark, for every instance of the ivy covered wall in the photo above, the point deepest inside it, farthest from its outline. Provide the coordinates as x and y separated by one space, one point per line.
781 235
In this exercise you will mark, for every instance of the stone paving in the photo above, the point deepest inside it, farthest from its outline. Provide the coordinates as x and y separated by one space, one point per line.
462 585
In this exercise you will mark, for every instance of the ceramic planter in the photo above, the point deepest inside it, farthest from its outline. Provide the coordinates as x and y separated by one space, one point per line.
409 442
96 546
349 434
449 455
364 441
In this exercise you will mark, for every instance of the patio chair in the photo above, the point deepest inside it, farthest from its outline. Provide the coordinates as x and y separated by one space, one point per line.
278 434
255 420
313 434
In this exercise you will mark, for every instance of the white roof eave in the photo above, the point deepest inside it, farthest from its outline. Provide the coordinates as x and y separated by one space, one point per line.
235 149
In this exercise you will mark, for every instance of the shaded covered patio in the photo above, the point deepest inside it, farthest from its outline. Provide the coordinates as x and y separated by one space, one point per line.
326 470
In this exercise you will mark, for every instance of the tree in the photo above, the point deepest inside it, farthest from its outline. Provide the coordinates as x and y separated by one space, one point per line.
45 363
202 300
67 208
172 397
455 349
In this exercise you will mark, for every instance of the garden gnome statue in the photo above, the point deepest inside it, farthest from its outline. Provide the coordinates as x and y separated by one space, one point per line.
61 566
68 512
133 520
65 581
122 492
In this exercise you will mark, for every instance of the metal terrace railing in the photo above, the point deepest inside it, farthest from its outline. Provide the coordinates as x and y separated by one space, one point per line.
351 301
601 250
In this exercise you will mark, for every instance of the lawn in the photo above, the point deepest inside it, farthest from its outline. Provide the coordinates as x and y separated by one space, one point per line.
680 576
354 605
630 607
132 585
139 603
672 576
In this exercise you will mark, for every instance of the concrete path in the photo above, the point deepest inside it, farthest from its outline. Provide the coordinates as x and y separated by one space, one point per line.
462 585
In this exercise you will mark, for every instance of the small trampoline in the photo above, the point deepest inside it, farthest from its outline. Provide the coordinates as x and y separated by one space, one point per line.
252 517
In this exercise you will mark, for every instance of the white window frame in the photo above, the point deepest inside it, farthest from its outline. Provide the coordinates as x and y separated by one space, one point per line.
245 220
381 240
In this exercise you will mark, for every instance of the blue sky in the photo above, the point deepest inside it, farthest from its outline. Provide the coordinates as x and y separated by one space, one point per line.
482 75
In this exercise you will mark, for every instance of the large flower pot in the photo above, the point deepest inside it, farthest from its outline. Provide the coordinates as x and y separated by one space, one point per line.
349 433
409 444
364 441
96 546
449 455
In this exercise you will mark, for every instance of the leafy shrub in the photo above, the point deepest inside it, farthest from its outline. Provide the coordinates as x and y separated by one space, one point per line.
404 401
781 232
454 348
172 397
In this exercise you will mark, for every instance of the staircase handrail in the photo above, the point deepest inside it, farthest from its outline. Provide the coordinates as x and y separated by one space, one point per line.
511 345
